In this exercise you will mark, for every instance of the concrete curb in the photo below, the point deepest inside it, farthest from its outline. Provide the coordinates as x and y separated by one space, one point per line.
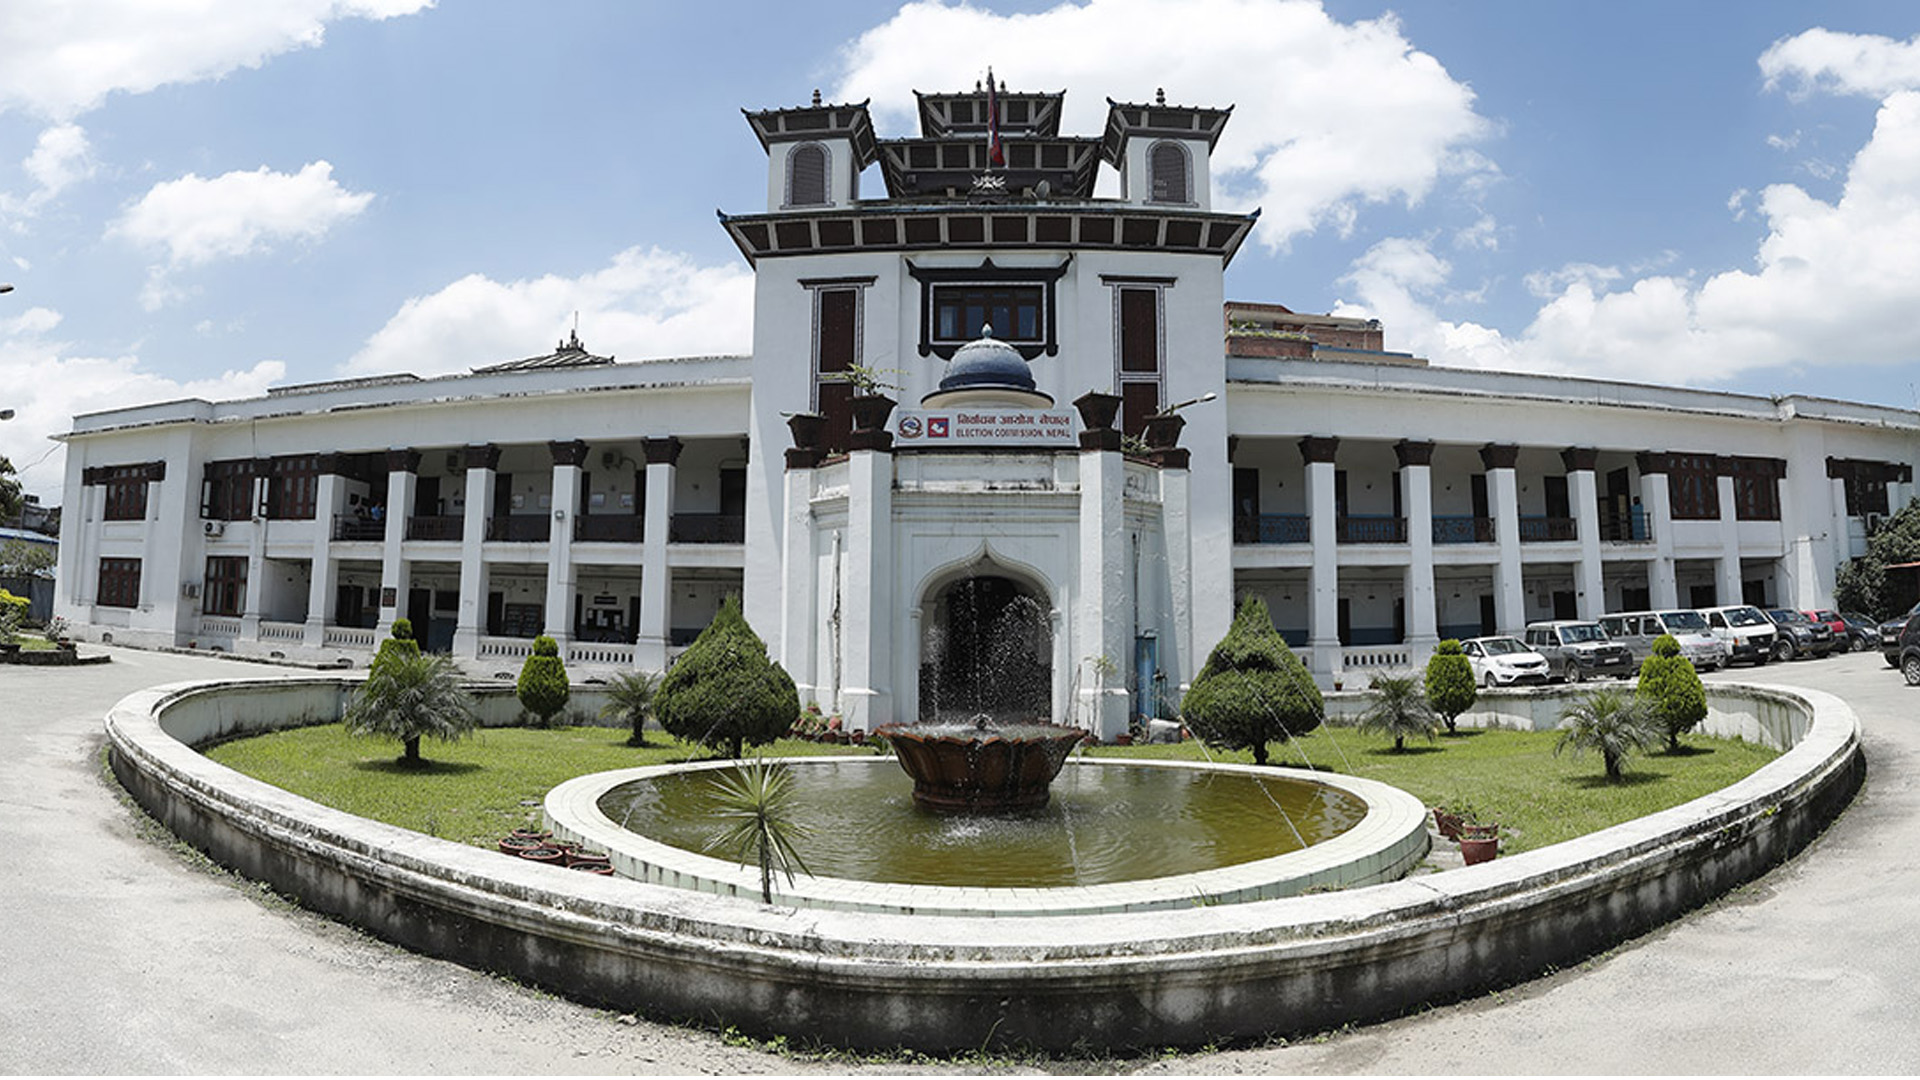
1121 980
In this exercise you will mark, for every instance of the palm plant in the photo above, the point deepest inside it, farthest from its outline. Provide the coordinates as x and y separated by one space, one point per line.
1612 722
630 698
410 695
1398 708
756 803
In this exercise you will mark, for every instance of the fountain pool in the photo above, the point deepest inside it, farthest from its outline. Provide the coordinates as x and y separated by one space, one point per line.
1116 836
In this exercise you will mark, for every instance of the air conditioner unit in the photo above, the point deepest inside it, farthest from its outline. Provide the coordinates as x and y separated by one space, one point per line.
190 590
214 528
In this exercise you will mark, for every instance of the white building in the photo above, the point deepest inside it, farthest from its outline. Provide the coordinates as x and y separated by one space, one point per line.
997 541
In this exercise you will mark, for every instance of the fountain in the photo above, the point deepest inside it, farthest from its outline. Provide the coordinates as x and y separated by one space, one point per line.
981 767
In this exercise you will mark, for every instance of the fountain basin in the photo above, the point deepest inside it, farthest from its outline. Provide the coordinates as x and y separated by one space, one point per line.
964 769
1389 838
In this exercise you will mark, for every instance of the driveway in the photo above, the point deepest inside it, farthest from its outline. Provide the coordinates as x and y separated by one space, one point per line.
124 954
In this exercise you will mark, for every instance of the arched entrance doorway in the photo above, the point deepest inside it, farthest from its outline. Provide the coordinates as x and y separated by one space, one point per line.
986 646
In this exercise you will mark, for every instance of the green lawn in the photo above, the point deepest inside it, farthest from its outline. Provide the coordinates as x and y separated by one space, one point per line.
478 789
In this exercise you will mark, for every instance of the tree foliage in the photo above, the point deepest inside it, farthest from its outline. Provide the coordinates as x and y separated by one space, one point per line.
755 805
724 691
1671 690
1865 584
24 558
1450 686
10 500
1253 690
1610 722
542 688
1396 707
630 698
409 696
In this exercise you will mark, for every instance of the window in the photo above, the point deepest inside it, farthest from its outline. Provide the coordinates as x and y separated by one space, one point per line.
293 484
119 583
126 493
1756 488
836 348
1167 162
1137 330
226 588
807 175
1694 487
226 491
962 312
1866 489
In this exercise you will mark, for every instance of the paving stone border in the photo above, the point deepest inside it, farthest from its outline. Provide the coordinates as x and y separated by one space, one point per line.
1111 981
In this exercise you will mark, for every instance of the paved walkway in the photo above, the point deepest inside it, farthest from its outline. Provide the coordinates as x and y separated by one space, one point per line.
122 955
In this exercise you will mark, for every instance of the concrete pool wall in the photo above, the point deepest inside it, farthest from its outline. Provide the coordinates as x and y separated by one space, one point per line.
1112 981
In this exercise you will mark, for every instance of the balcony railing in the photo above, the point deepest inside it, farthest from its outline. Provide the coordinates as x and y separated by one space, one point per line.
1632 527
520 528
1535 530
1370 529
289 632
434 527
617 528
708 529
348 636
1271 529
358 528
1464 529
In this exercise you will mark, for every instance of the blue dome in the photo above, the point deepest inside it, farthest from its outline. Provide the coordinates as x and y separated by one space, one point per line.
987 364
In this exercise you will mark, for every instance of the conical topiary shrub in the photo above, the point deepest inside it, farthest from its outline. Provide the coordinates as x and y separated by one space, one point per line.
1253 690
724 692
1671 690
400 644
542 687
1450 687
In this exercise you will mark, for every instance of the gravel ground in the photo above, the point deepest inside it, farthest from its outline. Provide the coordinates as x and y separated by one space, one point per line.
126 953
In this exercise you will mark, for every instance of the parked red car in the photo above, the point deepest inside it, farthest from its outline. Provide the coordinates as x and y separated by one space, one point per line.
1834 623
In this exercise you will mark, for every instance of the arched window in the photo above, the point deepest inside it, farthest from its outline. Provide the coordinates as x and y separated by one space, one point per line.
1167 163
807 175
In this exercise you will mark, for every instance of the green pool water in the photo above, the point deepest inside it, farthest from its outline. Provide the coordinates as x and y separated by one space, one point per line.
1104 824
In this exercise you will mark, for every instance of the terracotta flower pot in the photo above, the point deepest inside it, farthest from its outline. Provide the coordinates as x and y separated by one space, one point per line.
1447 823
1478 849
543 855
514 845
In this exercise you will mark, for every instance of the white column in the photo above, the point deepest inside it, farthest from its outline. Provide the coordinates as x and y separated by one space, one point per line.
800 621
482 462
84 565
560 573
1102 650
256 555
656 580
396 574
1416 495
1583 490
1181 656
1841 526
328 501
1727 581
1323 612
1658 499
866 701
1503 499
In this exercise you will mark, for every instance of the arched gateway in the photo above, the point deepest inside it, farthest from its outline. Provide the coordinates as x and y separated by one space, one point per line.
986 646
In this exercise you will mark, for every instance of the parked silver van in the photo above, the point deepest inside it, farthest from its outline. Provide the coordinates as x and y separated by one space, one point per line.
1638 629
1746 630
1578 650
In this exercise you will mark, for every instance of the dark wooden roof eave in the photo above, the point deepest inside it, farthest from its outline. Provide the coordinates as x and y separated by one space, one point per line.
1001 226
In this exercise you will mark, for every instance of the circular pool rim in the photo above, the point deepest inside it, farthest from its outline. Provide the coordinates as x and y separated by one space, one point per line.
1386 843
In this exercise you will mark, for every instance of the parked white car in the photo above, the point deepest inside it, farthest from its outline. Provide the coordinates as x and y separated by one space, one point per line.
1504 661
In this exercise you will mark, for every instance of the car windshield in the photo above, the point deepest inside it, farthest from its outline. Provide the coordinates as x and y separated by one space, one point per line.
1502 646
1785 615
1690 622
1579 632
1827 616
1746 616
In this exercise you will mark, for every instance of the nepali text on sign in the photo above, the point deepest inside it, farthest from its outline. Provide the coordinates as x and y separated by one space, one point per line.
984 427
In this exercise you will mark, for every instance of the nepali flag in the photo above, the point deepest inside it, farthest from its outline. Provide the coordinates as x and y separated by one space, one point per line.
996 155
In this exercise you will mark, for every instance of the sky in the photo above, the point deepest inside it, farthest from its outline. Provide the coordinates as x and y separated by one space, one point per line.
206 198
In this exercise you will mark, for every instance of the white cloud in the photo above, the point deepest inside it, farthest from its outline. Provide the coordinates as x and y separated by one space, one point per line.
646 304
1822 60
60 58
1329 116
47 384
1831 281
195 221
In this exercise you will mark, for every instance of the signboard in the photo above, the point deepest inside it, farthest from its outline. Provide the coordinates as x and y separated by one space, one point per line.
984 426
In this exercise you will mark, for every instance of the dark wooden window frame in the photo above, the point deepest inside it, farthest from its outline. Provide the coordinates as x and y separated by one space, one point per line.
226 490
225 589
796 197
1164 149
832 396
293 487
936 281
1693 487
126 493
119 583
1139 366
